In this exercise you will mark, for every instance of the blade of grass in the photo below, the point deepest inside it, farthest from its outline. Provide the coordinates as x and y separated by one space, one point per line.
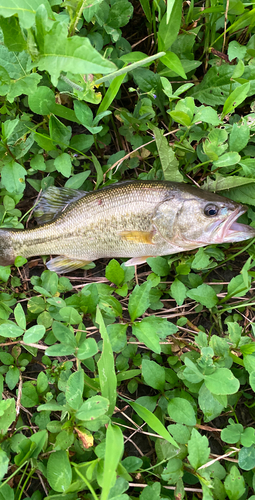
106 371
113 452
131 67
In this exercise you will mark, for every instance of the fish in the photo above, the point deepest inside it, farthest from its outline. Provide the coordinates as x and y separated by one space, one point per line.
131 219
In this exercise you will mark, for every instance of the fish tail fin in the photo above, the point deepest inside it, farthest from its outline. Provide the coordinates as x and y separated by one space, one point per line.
7 255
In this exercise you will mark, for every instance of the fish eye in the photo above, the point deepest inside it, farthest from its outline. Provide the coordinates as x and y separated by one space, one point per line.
211 210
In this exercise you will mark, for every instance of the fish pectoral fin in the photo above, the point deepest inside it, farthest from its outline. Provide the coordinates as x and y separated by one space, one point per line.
138 236
136 261
64 264
54 201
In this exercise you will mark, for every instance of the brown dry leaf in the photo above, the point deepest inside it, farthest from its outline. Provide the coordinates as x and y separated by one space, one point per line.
85 438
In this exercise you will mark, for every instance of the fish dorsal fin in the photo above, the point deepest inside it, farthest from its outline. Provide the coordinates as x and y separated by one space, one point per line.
54 201
64 264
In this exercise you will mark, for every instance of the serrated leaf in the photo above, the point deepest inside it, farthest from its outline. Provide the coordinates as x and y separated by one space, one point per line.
198 448
25 9
74 54
204 294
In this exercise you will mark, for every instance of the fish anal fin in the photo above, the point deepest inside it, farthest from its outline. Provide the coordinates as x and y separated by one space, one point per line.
54 201
62 264
135 261
138 236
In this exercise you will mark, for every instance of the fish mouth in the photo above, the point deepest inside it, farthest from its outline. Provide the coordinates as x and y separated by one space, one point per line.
231 231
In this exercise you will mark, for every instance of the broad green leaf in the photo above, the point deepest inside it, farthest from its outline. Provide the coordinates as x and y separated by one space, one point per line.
5 272
114 448
114 272
172 61
59 471
236 97
227 160
63 164
173 471
181 411
4 462
10 330
252 380
7 414
12 377
63 334
210 407
236 50
25 9
169 25
234 484
178 291
60 350
139 300
92 408
204 294
34 334
74 54
87 349
153 374
232 433
239 136
158 265
246 458
70 315
106 370
20 316
145 332
42 101
13 177
61 135
208 115
153 422
14 38
222 381
199 451
74 389
76 181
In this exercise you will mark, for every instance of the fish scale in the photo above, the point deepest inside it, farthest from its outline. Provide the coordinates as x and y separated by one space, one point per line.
134 219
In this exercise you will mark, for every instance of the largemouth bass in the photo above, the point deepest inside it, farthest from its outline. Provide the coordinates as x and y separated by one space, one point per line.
137 219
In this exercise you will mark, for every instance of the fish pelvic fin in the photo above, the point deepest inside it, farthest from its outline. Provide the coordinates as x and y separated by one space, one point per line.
7 256
135 261
138 236
54 201
64 264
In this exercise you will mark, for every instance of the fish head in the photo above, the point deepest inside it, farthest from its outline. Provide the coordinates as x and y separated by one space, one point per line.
195 217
